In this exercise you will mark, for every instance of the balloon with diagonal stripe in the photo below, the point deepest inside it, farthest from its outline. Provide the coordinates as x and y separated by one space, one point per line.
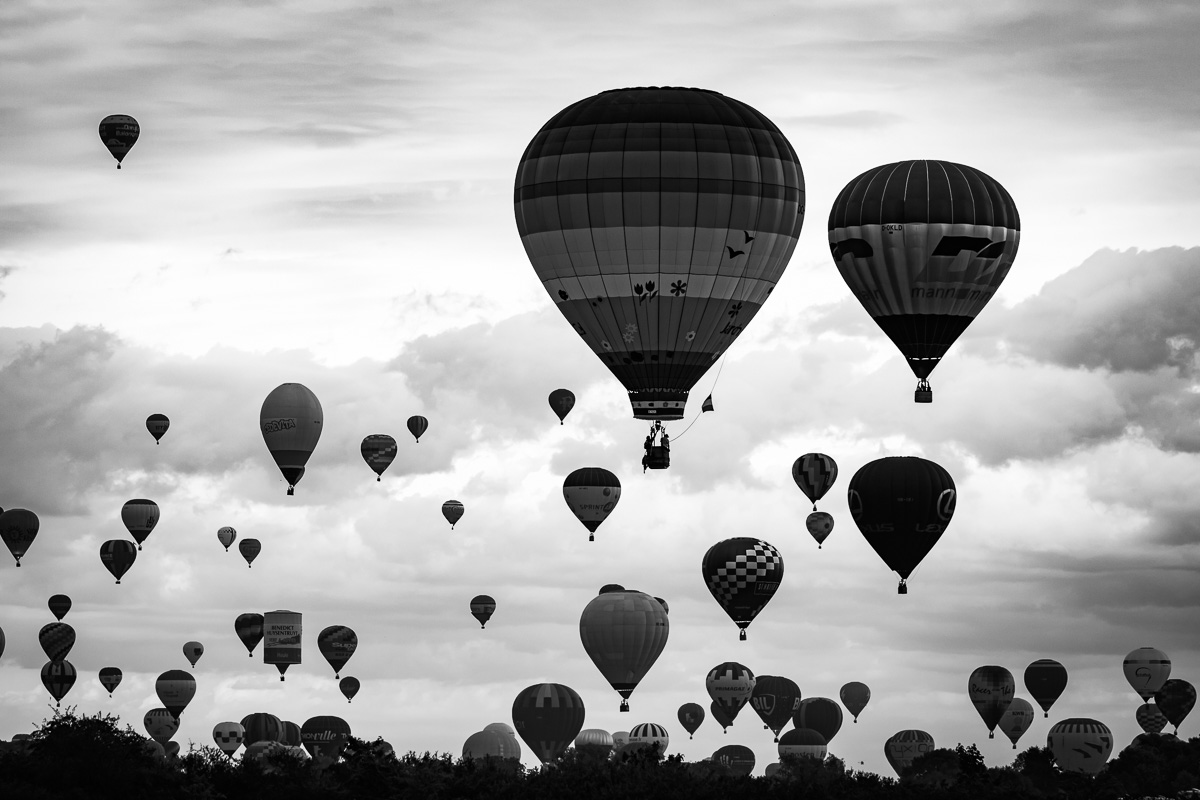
56 639
814 474
379 451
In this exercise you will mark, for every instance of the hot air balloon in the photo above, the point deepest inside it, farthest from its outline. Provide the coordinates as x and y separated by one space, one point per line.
228 736
249 548
482 745
117 556
349 687
512 748
904 746
1080 745
902 505
820 525
192 652
379 451
738 758
1175 698
814 473
1 641
281 639
855 696
59 605
110 679
417 425
290 735
659 221
58 677
262 727
337 643
991 690
119 132
690 716
1147 669
18 528
1016 719
1150 718
624 633
1045 679
743 574
803 742
482 608
594 743
923 245
720 714
249 628
56 639
548 717
157 424
774 699
226 536
140 517
290 421
821 715
161 724
648 734
730 685
175 689
452 510
561 403
620 741
591 494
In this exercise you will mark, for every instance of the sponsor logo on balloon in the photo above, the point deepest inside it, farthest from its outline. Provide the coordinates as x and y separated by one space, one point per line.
854 500
945 504
765 587
277 425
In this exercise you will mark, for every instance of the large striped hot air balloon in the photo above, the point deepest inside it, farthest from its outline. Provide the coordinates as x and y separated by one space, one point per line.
591 494
18 528
119 132
647 734
337 643
923 245
991 691
1080 745
624 633
659 221
290 421
548 717
262 727
161 724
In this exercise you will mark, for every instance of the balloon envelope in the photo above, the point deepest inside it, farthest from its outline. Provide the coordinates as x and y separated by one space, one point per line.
175 689
249 548
56 639
855 696
991 691
690 716
337 643
140 516
119 132
262 727
1045 679
803 742
58 677
1147 669
820 525
325 737
742 574
249 628
548 717
291 421
161 724
730 685
561 403
1080 745
483 744
228 736
591 494
594 742
18 528
417 425
649 733
110 678
774 699
226 536
720 714
59 605
117 556
903 746
349 687
379 451
659 220
452 510
624 633
192 652
814 474
157 424
482 608
1150 718
737 757
1016 719
821 715
1175 698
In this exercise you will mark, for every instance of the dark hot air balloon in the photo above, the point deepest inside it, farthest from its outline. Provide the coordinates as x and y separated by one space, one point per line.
804 743
1045 679
249 548
1016 719
820 525
482 608
249 628
119 132
58 677
226 536
591 494
161 724
855 696
775 699
690 716
56 639
262 727
290 421
325 737
548 717
624 633
1150 718
140 516
903 747
379 451
1175 698
349 687
337 643
742 574
821 715
192 652
117 556
738 758
59 605
561 403
18 528
452 510
157 424
417 425
814 474
991 690
730 685
110 679
175 689
720 714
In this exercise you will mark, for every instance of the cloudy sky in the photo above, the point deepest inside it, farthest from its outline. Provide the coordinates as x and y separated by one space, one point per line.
322 193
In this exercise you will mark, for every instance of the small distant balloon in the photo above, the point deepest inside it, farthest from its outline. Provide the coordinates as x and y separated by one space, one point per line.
591 494
226 536
249 628
56 639
18 528
1175 698
58 677
820 525
482 608
1045 679
192 652
140 516
349 687
379 451
417 425
814 474
110 678
548 717
117 556
1150 718
561 402
119 132
157 424
59 605
250 548
855 695
690 716
452 510
337 643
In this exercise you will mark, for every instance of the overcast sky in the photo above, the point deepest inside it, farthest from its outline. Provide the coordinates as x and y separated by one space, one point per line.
322 194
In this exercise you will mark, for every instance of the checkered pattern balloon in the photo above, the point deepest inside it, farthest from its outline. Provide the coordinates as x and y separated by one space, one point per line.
743 574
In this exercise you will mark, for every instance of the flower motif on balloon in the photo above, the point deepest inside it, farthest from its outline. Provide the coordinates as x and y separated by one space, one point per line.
678 288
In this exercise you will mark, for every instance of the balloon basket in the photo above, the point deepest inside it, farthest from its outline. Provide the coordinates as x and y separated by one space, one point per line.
924 393
625 705
902 588
741 635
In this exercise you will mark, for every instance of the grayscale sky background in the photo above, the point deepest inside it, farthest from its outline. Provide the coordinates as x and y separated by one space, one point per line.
322 193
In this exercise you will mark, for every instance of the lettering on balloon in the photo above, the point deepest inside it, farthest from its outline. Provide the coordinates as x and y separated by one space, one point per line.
277 425
765 587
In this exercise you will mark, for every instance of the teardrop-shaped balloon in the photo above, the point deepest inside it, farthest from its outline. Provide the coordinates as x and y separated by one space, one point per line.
659 221
1016 719
228 736
59 605
1080 745
1045 679
482 608
720 714
591 494
737 758
730 685
349 687
820 525
1150 718
903 747
58 677
290 421
855 695
249 628
110 678
690 715
291 734
902 505
379 451
1147 669
803 743
561 403
161 724
452 510
157 424
226 536
249 548
119 132
337 643
192 652
923 246
1175 698
117 556
18 528
56 639
991 690
175 689
775 698
624 633
140 516
548 717
417 425
820 714
814 474
743 575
